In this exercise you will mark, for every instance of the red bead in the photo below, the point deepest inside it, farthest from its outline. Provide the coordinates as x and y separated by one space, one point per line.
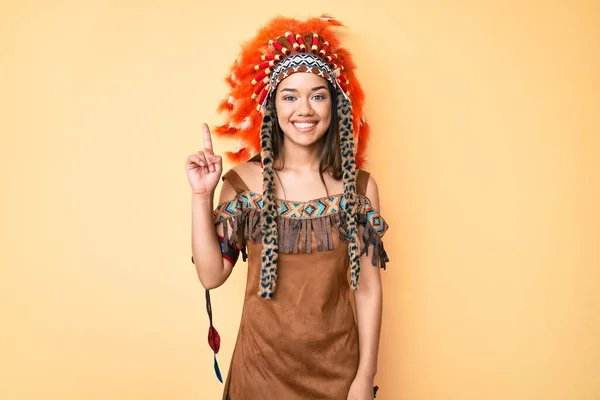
261 76
343 86
300 41
290 38
279 47
260 87
262 97
263 65
324 49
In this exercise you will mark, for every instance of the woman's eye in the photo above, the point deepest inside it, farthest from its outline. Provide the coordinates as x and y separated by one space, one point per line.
289 98
319 97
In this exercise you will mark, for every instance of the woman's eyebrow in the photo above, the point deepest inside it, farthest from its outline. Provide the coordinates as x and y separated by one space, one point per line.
295 90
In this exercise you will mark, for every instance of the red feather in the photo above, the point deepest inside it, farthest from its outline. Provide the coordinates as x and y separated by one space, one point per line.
214 340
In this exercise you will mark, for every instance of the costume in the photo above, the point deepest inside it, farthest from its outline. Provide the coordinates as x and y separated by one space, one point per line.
298 337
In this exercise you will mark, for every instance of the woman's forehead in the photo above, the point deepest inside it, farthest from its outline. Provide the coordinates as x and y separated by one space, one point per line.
302 81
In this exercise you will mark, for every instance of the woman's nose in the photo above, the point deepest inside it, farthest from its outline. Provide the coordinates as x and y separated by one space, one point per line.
304 107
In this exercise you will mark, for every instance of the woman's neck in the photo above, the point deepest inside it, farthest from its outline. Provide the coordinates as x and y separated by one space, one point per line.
300 158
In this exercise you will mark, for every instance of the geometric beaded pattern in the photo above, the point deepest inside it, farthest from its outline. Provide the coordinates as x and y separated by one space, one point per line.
300 210
373 217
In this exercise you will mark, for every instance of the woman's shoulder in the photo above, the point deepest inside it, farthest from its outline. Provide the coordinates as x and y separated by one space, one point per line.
366 183
366 186
250 173
240 178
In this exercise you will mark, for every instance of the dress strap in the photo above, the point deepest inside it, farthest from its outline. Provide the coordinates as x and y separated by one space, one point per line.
362 179
235 181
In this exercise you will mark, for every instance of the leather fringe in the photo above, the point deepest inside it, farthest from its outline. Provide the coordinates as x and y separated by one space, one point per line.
295 235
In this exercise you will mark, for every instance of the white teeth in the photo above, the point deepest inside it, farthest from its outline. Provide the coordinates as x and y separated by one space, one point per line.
303 125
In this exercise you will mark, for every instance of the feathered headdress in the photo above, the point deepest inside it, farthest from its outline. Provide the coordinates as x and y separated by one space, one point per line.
249 86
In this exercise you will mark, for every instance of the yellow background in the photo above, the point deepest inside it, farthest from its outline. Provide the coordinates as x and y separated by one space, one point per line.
485 146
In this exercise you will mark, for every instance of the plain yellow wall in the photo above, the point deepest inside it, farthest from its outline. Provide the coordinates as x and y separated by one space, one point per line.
485 145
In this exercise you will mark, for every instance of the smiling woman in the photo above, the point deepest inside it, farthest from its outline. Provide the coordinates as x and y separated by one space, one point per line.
303 103
302 340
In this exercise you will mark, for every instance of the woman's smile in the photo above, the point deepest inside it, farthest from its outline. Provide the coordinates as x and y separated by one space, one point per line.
304 126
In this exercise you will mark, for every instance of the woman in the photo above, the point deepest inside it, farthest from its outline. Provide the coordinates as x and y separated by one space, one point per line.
302 215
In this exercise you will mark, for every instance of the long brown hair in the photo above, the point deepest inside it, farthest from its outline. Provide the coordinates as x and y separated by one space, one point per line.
331 157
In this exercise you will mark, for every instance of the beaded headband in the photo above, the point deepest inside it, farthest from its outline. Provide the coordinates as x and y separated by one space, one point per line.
298 62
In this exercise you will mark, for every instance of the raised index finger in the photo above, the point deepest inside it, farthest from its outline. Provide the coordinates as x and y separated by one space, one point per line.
207 138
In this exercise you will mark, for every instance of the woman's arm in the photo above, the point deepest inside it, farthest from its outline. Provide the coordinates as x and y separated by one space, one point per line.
212 269
368 302
203 170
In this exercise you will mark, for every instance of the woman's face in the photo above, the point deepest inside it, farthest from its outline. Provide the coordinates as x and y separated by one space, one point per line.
303 105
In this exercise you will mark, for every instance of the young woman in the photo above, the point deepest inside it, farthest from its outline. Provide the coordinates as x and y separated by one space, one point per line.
302 214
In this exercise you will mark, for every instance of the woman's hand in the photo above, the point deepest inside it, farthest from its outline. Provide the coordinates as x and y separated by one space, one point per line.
361 389
204 168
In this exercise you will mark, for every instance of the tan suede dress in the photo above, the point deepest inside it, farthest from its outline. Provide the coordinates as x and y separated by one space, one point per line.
303 343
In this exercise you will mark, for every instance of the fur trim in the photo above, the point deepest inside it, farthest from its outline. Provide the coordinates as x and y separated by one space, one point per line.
270 237
344 112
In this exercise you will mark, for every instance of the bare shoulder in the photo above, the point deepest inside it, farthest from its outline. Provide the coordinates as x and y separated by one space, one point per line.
372 192
251 174
247 172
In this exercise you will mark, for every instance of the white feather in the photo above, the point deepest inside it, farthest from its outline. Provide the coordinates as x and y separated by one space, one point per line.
246 123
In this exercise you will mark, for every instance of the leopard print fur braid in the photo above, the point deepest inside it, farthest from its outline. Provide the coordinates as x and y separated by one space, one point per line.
270 236
344 111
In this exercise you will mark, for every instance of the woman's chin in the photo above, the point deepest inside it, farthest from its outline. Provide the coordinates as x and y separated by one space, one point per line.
304 140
